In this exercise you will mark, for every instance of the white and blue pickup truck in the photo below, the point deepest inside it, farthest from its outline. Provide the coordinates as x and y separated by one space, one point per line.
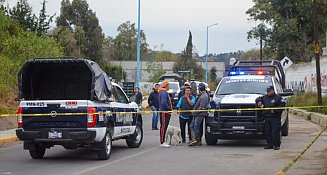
236 116
73 103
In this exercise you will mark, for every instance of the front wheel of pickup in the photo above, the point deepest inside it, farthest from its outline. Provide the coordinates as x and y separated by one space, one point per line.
135 140
105 147
210 140
38 152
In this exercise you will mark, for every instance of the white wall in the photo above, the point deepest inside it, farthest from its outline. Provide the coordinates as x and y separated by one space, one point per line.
302 77
130 68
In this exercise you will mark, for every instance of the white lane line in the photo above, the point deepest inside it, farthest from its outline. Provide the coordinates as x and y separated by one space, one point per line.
113 162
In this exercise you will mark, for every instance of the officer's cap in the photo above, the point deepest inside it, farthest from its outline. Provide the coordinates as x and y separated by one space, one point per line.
269 88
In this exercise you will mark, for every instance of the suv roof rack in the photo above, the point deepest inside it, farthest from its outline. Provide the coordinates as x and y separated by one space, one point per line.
63 57
262 65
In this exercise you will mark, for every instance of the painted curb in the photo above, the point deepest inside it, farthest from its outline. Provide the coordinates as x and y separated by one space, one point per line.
8 139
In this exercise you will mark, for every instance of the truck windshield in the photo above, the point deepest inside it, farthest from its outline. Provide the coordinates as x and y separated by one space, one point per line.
243 86
173 86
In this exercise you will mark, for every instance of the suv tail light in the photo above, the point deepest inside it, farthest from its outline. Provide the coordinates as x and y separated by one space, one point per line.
91 117
20 117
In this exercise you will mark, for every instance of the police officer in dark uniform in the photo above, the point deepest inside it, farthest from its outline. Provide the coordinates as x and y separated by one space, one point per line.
272 117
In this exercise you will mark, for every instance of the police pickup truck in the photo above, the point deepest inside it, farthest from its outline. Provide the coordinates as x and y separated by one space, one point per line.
73 103
235 97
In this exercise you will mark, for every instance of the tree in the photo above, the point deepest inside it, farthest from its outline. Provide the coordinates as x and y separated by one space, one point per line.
261 33
79 19
125 43
23 14
291 21
114 71
213 74
107 49
187 63
156 75
43 22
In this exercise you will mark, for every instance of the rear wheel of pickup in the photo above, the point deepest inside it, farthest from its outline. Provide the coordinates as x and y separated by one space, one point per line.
135 140
105 147
285 127
210 140
38 152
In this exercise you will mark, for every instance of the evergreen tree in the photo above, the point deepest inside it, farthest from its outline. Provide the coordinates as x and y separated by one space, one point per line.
186 63
79 19
23 14
43 21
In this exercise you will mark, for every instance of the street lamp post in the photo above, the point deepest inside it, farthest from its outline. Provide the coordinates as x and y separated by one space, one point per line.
207 50
138 45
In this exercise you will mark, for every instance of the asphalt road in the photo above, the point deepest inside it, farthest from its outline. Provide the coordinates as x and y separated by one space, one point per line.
228 157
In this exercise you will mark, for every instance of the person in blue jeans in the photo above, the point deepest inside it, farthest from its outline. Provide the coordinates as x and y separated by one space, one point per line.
201 104
185 103
154 104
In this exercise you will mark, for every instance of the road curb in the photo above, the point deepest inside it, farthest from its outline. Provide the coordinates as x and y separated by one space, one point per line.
315 117
8 139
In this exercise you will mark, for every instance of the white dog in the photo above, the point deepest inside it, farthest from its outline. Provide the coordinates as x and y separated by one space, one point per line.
174 133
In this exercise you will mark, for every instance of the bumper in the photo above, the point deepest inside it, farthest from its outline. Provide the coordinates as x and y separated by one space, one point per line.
68 135
234 130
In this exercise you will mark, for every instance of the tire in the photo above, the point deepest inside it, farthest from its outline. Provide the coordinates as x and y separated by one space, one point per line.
210 140
285 127
38 152
105 147
135 140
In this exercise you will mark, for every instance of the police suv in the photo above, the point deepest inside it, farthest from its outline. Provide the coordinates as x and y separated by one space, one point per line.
235 97
73 103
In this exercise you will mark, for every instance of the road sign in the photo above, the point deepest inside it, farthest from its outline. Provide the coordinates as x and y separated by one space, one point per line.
286 62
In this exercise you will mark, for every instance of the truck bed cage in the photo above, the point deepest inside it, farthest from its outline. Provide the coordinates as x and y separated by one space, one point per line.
260 65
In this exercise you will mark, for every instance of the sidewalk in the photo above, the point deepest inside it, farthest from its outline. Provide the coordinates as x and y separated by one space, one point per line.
8 136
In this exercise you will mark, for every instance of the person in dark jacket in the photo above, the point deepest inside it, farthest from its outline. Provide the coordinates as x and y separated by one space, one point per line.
201 104
185 103
154 104
272 117
138 96
165 109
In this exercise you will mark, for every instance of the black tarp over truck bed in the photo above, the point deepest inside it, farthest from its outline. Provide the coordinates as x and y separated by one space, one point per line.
63 79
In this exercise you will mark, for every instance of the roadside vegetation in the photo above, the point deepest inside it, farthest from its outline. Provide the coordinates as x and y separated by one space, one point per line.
308 99
19 43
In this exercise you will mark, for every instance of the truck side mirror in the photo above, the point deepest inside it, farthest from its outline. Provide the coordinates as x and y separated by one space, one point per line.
287 92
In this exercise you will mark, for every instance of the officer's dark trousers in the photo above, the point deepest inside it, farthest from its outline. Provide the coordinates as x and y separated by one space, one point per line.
272 130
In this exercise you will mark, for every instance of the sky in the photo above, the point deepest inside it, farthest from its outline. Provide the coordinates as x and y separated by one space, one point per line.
166 22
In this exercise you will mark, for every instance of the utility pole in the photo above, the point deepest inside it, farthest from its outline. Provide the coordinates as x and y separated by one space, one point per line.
317 52
138 67
260 48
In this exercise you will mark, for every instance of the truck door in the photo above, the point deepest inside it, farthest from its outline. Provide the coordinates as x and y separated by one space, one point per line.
124 123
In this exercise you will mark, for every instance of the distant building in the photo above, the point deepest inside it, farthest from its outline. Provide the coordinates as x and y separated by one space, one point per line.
130 68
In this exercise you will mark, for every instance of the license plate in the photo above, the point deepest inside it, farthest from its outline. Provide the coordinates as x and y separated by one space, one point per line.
238 127
55 135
